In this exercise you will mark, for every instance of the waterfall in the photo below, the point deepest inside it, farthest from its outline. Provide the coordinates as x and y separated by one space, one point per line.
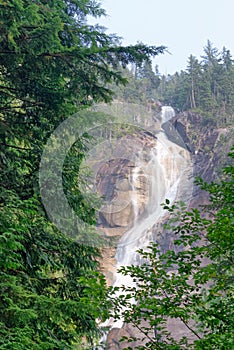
168 169
167 113
169 173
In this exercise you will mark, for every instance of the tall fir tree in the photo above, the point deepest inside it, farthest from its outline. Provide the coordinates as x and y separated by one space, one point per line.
52 64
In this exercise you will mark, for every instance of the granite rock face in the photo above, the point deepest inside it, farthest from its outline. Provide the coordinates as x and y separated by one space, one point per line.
122 190
209 147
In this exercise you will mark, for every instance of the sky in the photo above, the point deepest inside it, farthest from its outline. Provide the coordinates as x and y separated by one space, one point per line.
183 26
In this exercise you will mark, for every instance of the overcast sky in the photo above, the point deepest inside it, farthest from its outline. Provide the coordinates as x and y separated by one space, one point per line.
184 26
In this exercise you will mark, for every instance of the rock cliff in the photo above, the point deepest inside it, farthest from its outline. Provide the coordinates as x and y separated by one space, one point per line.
115 182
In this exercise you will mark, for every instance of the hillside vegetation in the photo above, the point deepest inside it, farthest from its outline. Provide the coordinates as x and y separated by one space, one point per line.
206 86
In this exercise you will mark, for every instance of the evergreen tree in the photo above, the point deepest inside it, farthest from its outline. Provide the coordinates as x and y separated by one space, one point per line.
212 74
205 85
228 80
211 54
52 64
194 70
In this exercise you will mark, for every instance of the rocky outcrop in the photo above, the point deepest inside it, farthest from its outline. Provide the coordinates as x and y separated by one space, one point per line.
209 147
122 190
208 144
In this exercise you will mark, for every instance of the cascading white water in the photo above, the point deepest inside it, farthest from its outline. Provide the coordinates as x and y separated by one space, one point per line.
168 170
169 173
167 113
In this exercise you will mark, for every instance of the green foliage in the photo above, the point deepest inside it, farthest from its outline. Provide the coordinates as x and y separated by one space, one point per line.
193 283
206 85
50 294
142 84
52 65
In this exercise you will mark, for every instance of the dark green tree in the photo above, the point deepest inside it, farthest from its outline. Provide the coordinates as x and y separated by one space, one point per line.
211 54
212 78
176 90
52 64
194 70
205 85
51 295
227 81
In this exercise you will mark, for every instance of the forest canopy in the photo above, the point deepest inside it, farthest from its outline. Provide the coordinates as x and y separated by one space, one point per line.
205 86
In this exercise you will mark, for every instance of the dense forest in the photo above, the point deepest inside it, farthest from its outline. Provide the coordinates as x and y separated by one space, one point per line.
206 86
53 64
